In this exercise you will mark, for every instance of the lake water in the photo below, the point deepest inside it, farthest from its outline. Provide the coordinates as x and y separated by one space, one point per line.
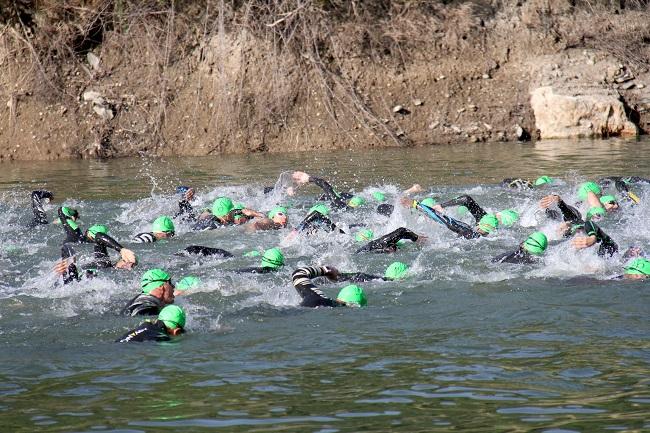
461 345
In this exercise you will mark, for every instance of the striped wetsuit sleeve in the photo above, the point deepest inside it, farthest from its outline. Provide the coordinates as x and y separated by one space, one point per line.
311 296
145 238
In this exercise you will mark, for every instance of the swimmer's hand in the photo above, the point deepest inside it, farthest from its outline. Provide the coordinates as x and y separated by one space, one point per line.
61 267
582 242
128 255
332 273
300 177
414 189
548 201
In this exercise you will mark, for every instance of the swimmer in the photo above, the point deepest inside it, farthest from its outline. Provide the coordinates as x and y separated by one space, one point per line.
162 228
486 225
157 291
395 271
389 242
528 252
276 219
170 323
312 297
272 261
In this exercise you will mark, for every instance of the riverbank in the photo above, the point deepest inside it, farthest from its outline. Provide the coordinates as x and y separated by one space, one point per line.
113 79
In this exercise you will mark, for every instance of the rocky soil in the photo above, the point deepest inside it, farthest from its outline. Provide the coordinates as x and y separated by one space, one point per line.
183 80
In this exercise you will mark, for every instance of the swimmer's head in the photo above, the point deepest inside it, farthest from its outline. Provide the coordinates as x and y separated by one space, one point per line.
279 215
273 258
586 188
488 223
187 283
596 214
356 201
429 202
638 268
543 180
154 278
321 209
379 196
461 210
396 271
173 317
97 228
222 207
364 235
352 295
609 202
508 217
70 212
536 243
163 225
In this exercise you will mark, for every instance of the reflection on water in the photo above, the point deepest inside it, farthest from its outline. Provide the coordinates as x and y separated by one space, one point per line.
462 345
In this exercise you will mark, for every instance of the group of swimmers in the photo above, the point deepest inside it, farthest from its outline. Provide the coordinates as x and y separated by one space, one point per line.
157 291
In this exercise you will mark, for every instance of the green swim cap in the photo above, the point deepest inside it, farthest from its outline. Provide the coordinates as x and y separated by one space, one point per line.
543 180
356 201
401 243
608 199
172 316
488 223
353 294
239 205
364 235
187 283
320 208
379 196
222 207
97 228
536 243
273 258
70 212
429 202
639 266
595 211
153 279
396 271
461 210
163 224
276 210
508 217
585 188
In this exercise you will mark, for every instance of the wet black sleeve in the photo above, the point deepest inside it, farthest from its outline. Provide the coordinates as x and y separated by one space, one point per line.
330 193
388 242
107 241
467 201
72 273
143 305
207 251
607 244
314 221
569 213
185 210
37 205
72 235
147 331
520 256
358 277
311 296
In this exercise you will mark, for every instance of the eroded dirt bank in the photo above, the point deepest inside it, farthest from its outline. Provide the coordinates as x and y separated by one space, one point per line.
110 78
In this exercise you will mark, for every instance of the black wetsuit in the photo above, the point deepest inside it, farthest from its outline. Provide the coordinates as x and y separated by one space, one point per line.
37 206
255 270
452 224
520 256
607 244
316 221
311 296
185 211
143 305
145 238
359 277
153 330
568 213
73 235
72 272
385 209
388 242
337 200
208 251
100 253
467 201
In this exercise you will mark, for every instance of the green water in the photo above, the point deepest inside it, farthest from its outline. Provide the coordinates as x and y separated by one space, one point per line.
461 345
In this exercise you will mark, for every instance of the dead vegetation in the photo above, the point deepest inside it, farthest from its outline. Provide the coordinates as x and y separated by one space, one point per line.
238 71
